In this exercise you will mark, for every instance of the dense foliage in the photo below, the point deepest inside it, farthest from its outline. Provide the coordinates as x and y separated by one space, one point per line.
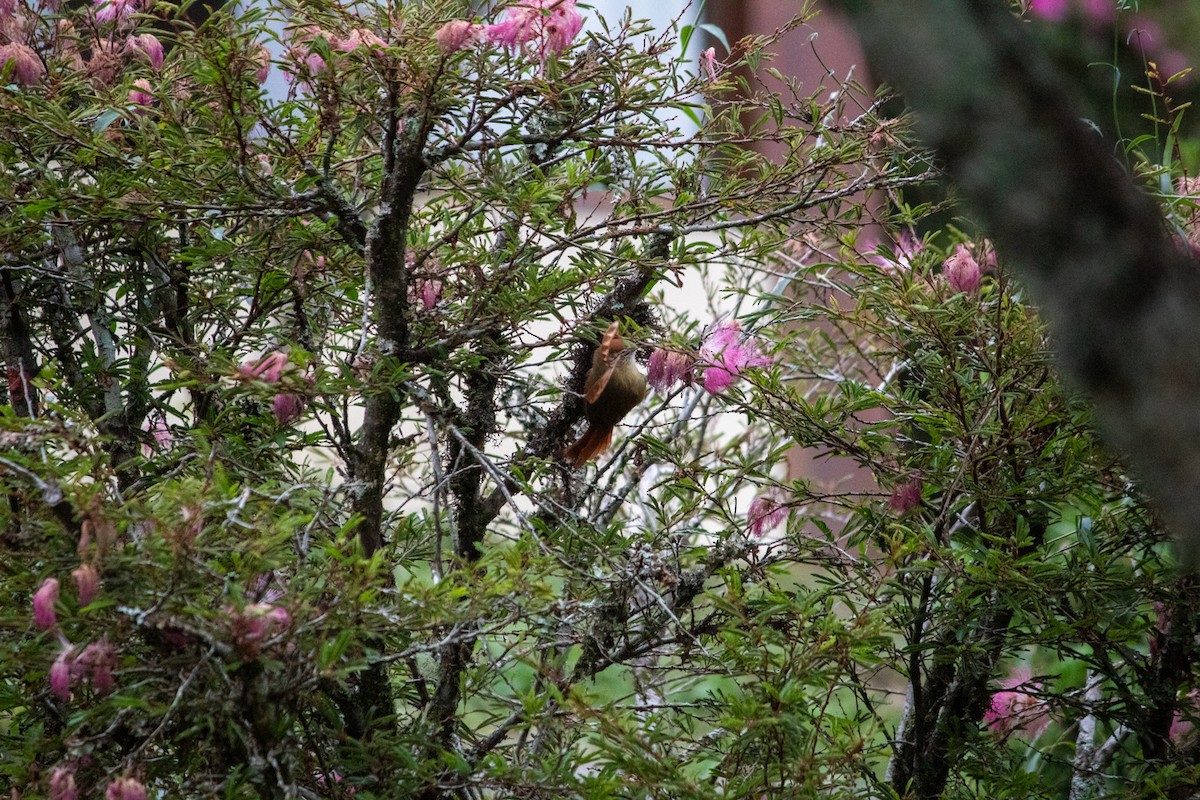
288 378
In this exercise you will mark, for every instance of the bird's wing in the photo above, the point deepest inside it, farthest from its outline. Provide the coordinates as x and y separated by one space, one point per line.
610 345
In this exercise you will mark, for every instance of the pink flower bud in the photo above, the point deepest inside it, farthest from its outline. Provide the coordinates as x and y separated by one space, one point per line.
87 583
552 24
961 270
43 604
427 290
62 784
141 94
61 672
126 789
149 45
728 354
22 64
457 34
764 514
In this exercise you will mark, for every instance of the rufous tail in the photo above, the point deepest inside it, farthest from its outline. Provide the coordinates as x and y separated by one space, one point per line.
593 442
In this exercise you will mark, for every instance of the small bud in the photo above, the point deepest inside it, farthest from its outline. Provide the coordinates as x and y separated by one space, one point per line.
142 94
43 604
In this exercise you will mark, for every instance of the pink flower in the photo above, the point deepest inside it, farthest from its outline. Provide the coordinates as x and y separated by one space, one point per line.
457 34
1055 10
1016 707
21 64
61 672
552 24
765 513
287 408
359 37
126 789
667 367
99 659
62 784
905 496
160 434
142 94
427 290
708 63
107 61
961 270
728 354
87 583
150 46
116 10
7 7
43 604
262 58
268 369
257 622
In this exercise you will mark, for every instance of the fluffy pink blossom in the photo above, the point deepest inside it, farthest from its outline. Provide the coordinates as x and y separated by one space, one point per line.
87 583
728 353
149 45
256 623
61 672
126 789
62 784
7 7
765 513
43 604
100 659
962 271
1016 707
668 367
708 63
107 61
905 496
457 34
22 64
142 94
551 24
117 11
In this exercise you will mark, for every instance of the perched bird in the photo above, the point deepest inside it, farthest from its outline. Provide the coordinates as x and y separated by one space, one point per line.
614 386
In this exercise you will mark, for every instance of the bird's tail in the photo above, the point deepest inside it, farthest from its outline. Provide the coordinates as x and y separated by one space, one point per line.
595 440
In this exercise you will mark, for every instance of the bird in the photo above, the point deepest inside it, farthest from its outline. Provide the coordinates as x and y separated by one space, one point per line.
614 386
